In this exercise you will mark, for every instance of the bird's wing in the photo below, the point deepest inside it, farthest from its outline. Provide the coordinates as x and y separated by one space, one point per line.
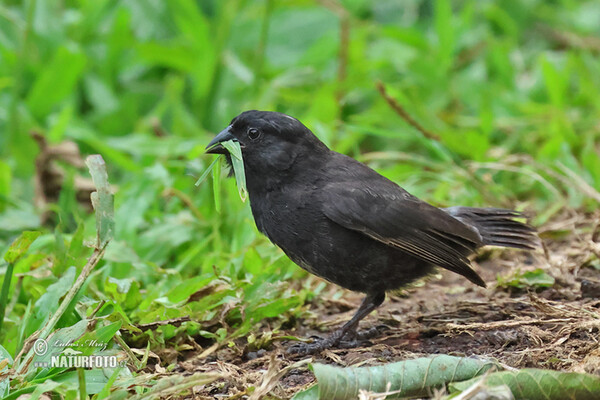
387 213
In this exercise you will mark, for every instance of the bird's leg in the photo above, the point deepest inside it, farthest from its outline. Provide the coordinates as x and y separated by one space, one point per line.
371 302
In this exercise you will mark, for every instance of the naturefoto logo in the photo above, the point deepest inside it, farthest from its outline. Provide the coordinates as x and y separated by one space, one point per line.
68 357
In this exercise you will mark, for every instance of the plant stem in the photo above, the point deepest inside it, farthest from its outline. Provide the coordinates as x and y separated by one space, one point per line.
4 294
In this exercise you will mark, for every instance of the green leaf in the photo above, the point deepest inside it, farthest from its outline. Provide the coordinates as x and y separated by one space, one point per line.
48 302
5 383
238 166
535 278
312 393
555 82
58 342
60 124
44 387
538 384
105 392
444 31
5 182
207 171
20 246
95 379
217 184
97 340
411 378
102 200
56 80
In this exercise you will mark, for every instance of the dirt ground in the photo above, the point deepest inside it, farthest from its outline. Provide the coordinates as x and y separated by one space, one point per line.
554 328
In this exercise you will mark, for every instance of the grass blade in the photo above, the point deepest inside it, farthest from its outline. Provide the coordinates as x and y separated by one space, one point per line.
102 200
207 171
217 184
15 251
238 167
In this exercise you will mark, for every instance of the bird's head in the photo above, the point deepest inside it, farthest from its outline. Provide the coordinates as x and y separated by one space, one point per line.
269 141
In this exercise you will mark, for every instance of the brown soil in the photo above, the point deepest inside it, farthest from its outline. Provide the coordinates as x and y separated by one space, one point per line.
553 328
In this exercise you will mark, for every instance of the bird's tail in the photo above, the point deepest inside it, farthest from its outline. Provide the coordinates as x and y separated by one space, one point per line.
497 226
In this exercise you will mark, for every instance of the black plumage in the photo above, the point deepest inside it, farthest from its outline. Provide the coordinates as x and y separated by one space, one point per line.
343 221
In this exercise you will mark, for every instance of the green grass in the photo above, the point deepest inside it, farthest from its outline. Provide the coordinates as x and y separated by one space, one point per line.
510 87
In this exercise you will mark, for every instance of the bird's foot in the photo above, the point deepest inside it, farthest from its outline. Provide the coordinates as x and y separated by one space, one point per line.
316 346
360 336
343 340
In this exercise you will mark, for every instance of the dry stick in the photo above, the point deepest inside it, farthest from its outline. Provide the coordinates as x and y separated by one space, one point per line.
85 272
506 324
402 113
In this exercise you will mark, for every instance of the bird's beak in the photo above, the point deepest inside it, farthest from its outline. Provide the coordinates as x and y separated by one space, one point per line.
214 147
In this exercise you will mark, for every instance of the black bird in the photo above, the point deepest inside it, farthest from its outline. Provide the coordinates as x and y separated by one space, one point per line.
340 220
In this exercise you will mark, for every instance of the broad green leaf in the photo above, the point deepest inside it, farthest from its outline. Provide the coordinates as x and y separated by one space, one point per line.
95 379
233 147
58 342
105 392
60 124
238 166
445 31
48 302
98 340
411 378
539 384
5 383
47 386
312 393
555 82
56 80
179 56
535 278
20 246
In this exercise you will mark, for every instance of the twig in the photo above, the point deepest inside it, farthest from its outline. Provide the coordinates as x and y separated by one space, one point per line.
45 332
134 360
487 326
403 114
98 307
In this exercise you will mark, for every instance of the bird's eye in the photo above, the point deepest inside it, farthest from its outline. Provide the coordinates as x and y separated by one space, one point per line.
253 133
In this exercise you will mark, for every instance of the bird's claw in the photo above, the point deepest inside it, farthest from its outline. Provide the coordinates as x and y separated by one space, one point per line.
316 346
349 340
